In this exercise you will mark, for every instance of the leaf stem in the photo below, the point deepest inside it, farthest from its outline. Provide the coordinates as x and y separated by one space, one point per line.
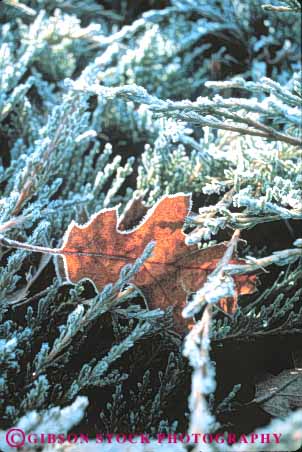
26 246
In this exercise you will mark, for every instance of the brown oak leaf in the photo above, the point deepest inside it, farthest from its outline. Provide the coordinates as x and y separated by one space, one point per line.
99 249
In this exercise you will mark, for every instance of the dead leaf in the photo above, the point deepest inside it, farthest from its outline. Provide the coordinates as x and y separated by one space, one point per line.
98 250
280 394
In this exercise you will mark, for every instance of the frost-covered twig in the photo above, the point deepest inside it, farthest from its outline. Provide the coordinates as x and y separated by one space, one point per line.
21 7
280 258
197 347
292 6
55 419
217 112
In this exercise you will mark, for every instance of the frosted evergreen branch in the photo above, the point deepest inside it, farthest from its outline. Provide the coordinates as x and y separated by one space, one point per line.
293 7
129 30
22 294
203 112
29 179
265 85
205 217
279 258
90 376
279 9
79 320
18 221
218 284
197 346
238 220
55 419
21 7
275 311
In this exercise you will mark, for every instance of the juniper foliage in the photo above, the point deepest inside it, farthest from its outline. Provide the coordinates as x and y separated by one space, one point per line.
101 102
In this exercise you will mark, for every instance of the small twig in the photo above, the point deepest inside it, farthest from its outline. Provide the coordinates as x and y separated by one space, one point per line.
21 7
247 131
278 258
279 9
12 223
228 254
28 247
199 343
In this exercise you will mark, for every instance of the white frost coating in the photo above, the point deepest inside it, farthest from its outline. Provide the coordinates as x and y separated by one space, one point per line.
55 419
86 135
216 288
8 346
